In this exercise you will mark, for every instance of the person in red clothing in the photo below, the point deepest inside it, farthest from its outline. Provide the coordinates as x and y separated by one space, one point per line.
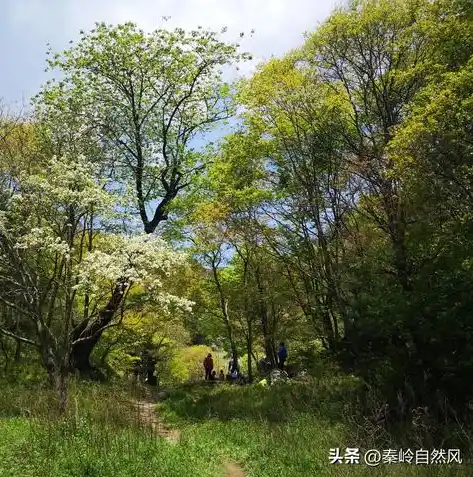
208 366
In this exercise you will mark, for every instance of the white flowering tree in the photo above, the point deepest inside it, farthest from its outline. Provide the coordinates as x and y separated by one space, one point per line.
138 101
59 270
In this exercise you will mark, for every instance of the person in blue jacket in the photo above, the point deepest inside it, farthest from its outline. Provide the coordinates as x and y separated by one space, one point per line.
282 355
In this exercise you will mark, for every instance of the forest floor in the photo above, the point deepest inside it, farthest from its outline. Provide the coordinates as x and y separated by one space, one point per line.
195 430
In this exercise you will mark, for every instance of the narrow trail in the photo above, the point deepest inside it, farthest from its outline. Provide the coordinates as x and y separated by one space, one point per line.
233 470
148 417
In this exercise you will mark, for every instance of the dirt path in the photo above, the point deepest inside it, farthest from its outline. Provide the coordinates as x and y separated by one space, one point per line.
147 416
233 470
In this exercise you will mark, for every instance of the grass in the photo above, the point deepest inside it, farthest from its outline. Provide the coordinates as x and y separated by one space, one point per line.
101 435
284 430
91 450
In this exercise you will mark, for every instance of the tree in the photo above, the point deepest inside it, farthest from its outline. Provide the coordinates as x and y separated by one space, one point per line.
224 220
377 56
57 281
143 98
290 104
432 152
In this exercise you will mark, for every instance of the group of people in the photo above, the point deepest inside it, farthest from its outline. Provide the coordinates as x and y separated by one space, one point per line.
211 374
234 368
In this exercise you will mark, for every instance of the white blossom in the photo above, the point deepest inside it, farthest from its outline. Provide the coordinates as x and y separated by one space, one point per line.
71 183
43 238
46 220
140 260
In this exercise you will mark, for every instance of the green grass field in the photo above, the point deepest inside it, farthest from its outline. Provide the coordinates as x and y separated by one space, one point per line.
284 430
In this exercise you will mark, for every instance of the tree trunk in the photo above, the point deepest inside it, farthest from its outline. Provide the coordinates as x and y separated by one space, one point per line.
86 335
396 223
249 346
5 354
62 386
232 344
224 308
17 356
80 355
267 335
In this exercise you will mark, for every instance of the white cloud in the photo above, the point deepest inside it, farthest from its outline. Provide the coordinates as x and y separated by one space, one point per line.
29 24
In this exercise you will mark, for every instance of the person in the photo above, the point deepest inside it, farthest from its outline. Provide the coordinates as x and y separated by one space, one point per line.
232 376
208 366
282 355
221 376
233 365
213 377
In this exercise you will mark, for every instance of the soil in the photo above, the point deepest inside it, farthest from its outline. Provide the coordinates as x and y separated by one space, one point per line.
147 415
233 470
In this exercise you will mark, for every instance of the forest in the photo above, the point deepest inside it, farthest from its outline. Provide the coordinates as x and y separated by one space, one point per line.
157 206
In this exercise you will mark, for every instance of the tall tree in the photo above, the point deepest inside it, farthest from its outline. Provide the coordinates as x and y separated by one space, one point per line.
378 57
143 98
290 104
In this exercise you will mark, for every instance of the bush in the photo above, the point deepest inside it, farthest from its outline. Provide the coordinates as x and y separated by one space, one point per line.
186 364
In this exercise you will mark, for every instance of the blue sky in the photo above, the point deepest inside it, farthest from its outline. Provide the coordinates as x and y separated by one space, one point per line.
27 25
